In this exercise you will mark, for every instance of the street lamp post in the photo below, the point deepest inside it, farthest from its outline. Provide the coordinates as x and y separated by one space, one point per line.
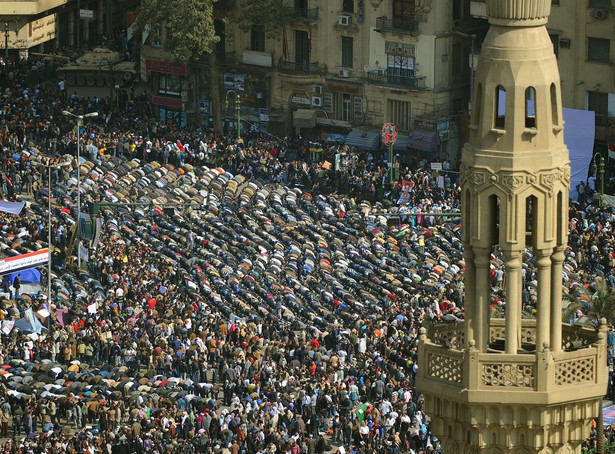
6 38
79 119
49 236
599 169
237 109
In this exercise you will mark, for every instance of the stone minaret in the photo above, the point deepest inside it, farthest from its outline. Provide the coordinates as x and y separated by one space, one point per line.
514 384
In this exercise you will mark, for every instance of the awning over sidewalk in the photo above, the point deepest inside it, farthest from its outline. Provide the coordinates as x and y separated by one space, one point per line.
423 140
304 118
367 141
332 123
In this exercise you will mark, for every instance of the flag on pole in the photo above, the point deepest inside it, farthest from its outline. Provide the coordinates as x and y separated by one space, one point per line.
612 150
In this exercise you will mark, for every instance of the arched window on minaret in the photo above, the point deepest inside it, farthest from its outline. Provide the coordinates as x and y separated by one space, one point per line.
478 102
554 109
531 205
560 219
530 107
500 107
494 207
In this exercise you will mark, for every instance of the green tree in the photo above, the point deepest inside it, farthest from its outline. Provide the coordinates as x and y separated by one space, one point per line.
189 26
271 14
597 306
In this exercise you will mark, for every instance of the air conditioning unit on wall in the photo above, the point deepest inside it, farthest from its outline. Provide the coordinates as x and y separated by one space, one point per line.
344 72
320 89
317 101
599 13
343 20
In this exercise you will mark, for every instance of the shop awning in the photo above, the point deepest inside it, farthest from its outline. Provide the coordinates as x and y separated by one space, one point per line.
367 141
423 140
304 118
402 143
333 123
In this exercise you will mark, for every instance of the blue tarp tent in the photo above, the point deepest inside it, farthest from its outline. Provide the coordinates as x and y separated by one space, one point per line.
31 275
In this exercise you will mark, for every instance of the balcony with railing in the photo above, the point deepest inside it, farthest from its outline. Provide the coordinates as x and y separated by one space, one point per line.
382 78
299 68
449 360
407 27
302 14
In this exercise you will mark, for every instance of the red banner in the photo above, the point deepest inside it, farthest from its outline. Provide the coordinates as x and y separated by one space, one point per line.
24 261
167 102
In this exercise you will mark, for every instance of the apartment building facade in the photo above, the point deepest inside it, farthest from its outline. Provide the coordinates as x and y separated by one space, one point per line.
341 67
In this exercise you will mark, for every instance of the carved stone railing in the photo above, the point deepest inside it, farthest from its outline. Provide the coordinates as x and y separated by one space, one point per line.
452 335
445 365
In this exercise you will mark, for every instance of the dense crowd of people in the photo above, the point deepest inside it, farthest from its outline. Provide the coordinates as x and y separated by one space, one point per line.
274 308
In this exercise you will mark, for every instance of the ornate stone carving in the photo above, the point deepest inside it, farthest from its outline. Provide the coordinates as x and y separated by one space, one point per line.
575 371
547 180
445 368
509 374
476 177
512 182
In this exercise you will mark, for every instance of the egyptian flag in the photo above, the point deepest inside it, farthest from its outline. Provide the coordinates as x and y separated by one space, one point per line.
612 150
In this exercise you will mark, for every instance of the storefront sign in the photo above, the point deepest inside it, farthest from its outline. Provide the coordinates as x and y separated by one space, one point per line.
164 67
350 89
87 14
303 100
425 125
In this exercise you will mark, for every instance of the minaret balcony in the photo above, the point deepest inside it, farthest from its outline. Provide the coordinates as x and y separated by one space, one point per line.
450 369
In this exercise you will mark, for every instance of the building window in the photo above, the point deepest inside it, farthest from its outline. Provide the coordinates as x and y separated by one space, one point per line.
347 44
403 12
500 107
599 103
555 41
400 113
169 84
601 4
348 6
458 61
400 70
258 38
598 50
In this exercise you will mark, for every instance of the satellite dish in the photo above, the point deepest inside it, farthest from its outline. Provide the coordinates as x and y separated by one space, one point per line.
367 68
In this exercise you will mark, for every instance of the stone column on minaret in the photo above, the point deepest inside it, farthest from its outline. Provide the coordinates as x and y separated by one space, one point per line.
543 323
557 260
512 261
470 295
483 297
